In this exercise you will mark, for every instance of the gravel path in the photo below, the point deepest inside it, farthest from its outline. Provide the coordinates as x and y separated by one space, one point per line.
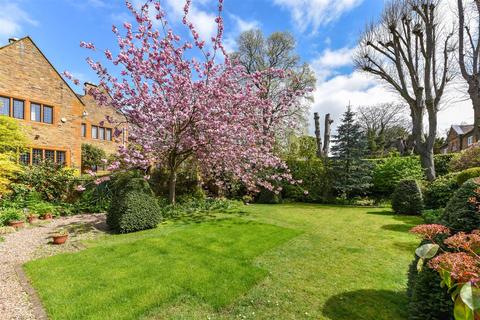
34 242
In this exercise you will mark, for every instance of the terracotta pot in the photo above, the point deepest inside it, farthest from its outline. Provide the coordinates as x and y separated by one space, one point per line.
31 219
47 216
60 239
16 224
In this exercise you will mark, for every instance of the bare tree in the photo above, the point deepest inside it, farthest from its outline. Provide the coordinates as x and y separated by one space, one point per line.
318 136
469 54
327 134
257 53
384 124
411 52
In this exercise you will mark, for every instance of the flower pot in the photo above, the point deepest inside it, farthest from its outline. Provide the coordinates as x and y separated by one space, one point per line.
17 224
47 216
60 239
32 219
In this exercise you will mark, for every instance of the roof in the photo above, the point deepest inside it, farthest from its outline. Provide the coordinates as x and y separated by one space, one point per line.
28 37
463 129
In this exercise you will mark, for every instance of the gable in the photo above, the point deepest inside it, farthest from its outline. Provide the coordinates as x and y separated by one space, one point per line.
25 72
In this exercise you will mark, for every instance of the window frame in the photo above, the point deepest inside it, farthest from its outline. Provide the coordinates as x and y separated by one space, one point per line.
108 134
43 114
94 129
9 114
23 108
39 110
83 132
469 140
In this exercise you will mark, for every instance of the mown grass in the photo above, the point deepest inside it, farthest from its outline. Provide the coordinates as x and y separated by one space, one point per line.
276 262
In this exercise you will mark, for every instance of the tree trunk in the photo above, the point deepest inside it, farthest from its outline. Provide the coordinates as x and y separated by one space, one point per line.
328 130
428 163
318 135
474 93
172 183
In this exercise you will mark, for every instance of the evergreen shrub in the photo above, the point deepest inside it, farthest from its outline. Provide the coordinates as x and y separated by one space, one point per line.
407 198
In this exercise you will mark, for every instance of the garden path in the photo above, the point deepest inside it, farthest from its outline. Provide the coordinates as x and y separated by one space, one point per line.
17 299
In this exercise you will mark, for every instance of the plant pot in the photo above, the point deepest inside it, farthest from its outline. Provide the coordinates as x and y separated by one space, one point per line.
47 216
17 224
60 239
32 219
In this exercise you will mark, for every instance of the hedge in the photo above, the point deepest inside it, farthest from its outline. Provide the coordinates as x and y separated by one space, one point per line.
314 179
388 173
438 192
467 174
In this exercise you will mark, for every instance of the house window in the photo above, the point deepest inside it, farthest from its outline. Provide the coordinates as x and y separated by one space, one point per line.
101 133
94 132
47 114
18 109
108 134
50 155
61 157
25 158
470 141
4 106
35 112
37 156
84 130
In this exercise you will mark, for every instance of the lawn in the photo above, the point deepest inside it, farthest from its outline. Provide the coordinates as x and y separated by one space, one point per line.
272 262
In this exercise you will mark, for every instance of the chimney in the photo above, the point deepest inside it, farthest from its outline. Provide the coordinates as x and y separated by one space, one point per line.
12 40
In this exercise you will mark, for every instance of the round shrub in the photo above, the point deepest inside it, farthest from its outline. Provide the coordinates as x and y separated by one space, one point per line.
468 174
461 214
134 211
407 198
387 174
469 158
427 300
432 216
269 197
437 193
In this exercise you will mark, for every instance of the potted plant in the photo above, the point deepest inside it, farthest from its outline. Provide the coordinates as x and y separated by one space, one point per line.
44 210
13 217
32 218
60 237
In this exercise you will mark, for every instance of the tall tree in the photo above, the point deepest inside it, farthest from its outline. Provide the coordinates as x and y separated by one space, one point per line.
184 108
258 54
351 170
410 51
383 124
469 54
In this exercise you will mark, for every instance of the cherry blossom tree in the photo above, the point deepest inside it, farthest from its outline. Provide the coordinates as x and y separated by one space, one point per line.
181 107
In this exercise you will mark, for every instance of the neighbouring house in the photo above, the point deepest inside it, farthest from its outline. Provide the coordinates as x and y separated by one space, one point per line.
460 137
57 119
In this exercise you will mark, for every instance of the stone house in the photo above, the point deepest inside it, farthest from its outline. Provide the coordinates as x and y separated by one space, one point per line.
57 119
460 137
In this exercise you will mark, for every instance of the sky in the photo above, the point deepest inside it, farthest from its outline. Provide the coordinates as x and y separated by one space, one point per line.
327 32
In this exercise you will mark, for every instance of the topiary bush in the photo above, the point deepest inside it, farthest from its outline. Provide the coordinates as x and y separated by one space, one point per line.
427 299
135 211
467 174
437 193
461 213
388 173
407 198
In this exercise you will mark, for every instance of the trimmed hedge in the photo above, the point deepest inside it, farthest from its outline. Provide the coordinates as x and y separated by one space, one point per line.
314 180
407 198
460 214
468 174
469 158
135 211
442 163
437 193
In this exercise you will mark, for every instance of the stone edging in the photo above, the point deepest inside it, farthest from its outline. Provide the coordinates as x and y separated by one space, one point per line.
37 307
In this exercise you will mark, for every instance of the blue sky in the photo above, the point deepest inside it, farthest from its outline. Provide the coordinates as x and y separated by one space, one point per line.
326 31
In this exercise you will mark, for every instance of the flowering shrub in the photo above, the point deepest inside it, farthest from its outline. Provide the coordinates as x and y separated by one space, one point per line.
459 270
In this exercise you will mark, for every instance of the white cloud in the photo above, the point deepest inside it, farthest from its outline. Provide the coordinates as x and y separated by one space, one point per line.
329 60
315 13
12 20
240 25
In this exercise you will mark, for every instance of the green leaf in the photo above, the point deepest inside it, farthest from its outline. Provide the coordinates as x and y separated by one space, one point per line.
427 251
470 295
420 264
460 310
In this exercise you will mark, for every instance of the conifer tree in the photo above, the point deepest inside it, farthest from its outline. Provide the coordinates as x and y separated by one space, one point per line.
351 171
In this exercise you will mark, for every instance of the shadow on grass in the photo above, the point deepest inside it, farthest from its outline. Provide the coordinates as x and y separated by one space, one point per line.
199 217
398 227
366 304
